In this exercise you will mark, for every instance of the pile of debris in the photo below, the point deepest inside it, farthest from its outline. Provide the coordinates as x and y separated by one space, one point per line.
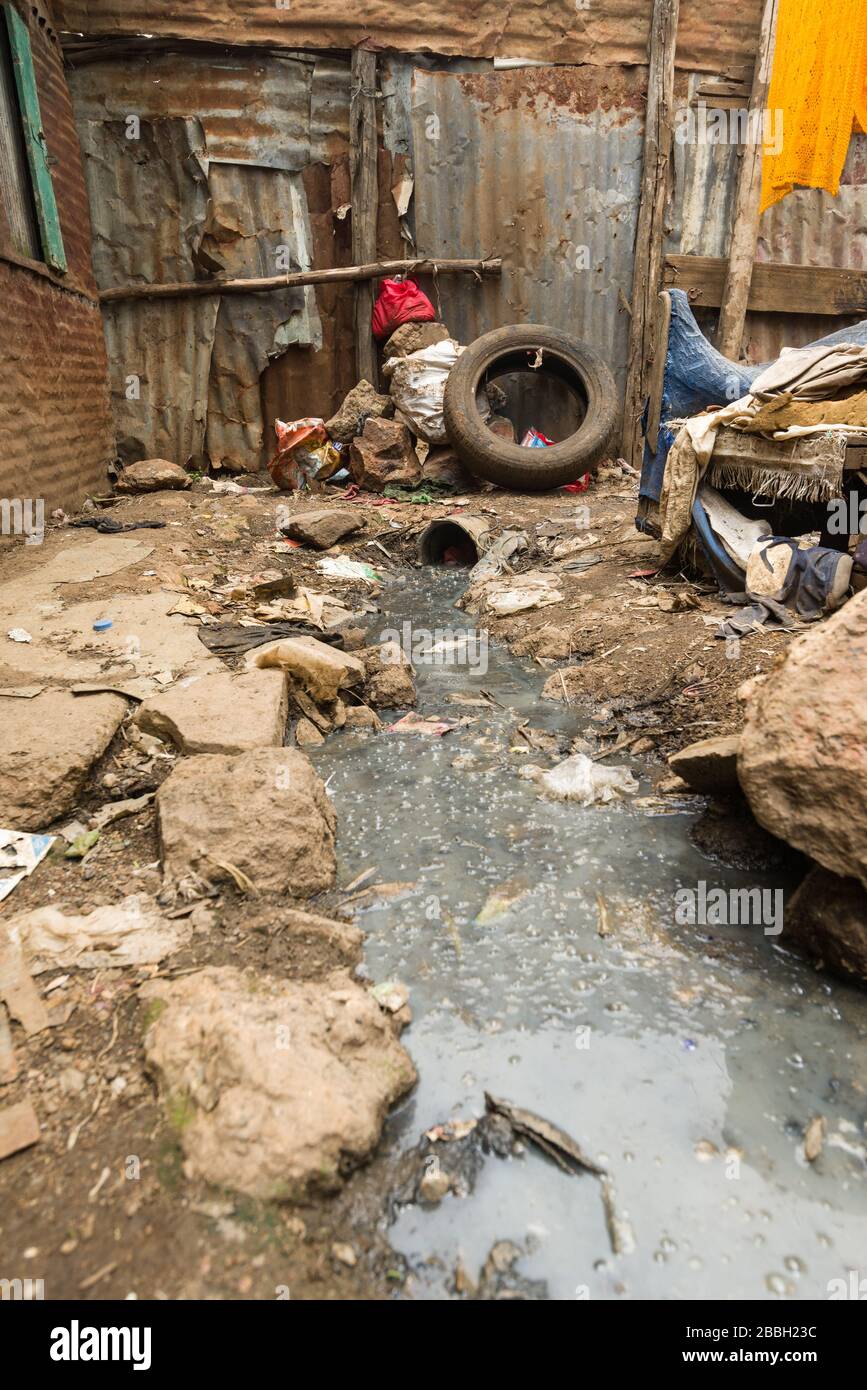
394 444
184 729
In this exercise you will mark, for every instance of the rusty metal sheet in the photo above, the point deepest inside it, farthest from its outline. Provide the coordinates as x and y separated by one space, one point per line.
538 163
266 213
542 167
261 109
185 373
714 35
150 207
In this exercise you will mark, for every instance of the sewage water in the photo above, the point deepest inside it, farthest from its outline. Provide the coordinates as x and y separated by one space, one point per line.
686 1059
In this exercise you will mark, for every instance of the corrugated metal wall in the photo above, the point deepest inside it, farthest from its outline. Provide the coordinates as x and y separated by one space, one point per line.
195 166
538 164
542 166
713 34
56 432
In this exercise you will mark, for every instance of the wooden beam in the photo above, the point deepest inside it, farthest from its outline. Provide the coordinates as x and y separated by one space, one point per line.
774 289
365 201
655 193
354 273
745 226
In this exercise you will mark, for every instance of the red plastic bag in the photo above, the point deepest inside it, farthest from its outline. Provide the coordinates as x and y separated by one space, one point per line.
400 301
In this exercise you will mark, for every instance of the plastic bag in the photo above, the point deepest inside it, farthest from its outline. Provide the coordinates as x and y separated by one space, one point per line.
400 301
418 384
304 452
534 439
580 779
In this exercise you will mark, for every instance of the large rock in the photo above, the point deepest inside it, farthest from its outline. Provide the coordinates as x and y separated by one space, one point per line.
152 475
319 669
384 454
412 337
265 814
47 747
828 918
803 753
443 466
362 403
389 681
322 529
223 713
711 765
276 1087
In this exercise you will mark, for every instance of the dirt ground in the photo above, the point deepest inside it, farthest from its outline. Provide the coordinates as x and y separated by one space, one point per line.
101 1208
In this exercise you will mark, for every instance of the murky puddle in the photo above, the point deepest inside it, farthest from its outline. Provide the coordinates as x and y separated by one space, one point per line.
687 1059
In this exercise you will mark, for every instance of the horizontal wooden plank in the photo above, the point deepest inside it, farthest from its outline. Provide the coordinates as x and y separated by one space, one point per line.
775 289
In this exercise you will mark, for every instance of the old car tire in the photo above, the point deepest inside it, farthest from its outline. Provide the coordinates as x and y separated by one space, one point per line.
510 465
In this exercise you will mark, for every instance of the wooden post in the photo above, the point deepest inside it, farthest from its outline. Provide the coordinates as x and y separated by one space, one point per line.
655 193
365 201
742 249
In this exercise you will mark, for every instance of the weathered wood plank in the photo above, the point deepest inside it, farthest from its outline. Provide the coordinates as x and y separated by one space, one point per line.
655 193
745 223
774 289
364 194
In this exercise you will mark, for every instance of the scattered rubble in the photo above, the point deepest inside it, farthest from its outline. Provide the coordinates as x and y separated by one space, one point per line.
803 755
361 717
19 1128
709 766
221 713
814 1138
827 917
322 529
383 454
444 468
276 1088
261 820
152 475
307 735
413 337
47 747
363 403
388 677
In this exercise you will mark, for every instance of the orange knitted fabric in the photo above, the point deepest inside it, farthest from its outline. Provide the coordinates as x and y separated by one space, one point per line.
819 83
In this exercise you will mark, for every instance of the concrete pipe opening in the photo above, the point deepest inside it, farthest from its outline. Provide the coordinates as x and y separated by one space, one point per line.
454 541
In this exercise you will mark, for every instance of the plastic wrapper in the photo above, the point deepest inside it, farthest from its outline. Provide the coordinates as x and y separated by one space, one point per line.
304 453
